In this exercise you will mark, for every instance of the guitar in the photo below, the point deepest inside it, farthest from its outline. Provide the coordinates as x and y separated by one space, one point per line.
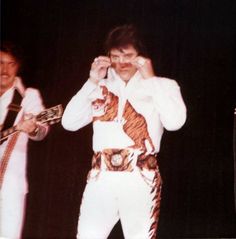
50 116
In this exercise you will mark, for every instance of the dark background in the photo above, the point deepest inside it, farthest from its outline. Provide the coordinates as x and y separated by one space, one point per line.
190 41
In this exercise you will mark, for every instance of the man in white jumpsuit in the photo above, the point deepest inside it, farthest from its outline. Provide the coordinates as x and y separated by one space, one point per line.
13 151
129 107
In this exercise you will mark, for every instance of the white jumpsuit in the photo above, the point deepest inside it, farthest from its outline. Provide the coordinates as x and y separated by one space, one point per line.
128 122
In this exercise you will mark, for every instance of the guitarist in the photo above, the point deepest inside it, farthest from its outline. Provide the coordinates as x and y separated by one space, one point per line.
18 107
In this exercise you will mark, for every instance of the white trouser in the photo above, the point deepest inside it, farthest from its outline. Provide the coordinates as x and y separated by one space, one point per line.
11 213
119 195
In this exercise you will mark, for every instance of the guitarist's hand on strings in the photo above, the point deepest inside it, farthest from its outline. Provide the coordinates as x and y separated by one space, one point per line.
28 125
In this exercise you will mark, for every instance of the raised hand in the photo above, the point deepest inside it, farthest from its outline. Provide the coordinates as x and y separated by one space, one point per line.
28 124
144 66
99 68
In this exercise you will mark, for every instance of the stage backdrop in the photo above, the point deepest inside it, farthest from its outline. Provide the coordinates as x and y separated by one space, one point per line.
192 42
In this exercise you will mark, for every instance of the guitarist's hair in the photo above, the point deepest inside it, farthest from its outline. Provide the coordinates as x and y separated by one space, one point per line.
14 50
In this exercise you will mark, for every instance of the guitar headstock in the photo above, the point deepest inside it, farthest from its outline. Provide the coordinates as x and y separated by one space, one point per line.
51 115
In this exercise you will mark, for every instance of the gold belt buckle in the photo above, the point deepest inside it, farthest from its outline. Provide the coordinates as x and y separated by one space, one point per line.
116 160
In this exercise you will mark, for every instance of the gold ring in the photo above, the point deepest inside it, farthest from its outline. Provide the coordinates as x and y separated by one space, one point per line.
141 61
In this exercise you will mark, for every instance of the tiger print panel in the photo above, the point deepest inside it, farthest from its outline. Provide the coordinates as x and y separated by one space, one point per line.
155 212
136 128
109 103
135 125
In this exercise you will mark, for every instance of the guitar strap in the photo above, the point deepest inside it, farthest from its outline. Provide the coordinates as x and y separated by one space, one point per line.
13 108
6 156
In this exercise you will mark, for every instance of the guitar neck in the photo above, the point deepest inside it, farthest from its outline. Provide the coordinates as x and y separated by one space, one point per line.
6 133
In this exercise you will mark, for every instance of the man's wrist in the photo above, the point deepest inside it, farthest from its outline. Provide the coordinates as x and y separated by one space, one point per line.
95 81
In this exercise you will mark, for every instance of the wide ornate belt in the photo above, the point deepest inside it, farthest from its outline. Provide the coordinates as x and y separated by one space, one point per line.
122 160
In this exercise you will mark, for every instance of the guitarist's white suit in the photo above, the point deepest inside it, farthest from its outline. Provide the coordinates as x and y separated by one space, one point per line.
14 182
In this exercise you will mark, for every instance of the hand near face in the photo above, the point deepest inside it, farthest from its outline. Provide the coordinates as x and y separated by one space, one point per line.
144 66
28 125
99 68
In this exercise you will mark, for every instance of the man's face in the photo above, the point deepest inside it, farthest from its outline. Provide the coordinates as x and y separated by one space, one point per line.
8 70
121 60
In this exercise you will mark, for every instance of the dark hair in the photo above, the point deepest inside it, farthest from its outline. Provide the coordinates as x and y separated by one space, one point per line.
122 36
13 50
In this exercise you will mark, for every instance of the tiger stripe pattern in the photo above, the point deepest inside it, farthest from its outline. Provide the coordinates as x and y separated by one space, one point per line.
135 125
